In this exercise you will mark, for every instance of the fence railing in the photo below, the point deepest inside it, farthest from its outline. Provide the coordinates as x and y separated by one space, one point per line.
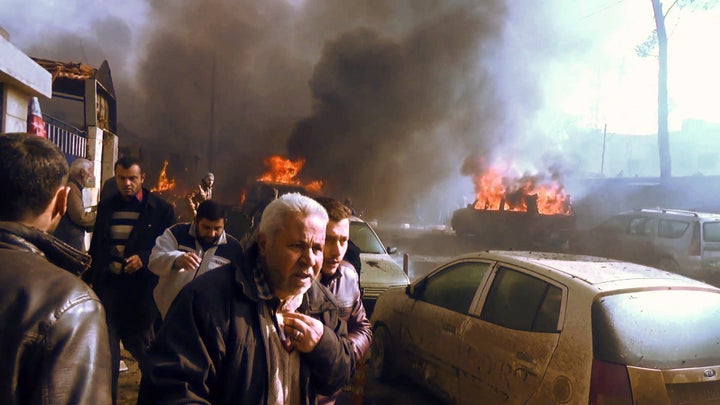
71 140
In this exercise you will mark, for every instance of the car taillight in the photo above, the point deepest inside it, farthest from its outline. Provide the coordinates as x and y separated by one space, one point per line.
609 384
695 241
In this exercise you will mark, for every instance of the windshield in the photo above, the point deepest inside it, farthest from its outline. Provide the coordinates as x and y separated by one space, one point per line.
658 329
365 239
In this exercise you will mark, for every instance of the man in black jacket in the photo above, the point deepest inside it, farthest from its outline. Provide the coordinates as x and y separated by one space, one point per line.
126 227
53 339
263 331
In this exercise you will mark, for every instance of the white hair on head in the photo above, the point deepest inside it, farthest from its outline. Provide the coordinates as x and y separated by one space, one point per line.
78 165
273 217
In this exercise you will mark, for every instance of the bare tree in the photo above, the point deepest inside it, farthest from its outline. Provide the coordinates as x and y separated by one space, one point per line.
659 38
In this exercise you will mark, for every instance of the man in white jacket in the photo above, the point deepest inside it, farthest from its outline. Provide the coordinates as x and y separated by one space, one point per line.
186 250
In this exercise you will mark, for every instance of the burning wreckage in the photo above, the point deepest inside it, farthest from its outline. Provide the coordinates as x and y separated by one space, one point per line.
516 213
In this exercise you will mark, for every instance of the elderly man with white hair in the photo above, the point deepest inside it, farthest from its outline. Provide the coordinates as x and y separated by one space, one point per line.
76 220
261 331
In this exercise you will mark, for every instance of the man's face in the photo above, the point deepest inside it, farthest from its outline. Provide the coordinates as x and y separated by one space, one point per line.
294 255
209 181
336 244
129 181
208 232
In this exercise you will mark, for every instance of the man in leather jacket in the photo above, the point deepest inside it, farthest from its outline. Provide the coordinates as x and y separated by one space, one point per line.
53 340
260 331
341 279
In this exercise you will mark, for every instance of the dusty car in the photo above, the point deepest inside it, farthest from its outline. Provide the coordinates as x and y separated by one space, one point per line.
680 241
523 327
378 270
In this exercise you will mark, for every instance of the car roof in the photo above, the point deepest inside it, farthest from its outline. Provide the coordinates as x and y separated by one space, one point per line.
596 273
675 212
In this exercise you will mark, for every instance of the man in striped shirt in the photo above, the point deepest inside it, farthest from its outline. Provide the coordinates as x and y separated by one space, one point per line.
126 227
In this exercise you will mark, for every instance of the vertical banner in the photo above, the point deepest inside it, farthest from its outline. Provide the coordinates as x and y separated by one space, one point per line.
35 122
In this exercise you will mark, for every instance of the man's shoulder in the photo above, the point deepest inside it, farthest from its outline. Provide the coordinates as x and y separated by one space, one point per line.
28 270
156 200
347 270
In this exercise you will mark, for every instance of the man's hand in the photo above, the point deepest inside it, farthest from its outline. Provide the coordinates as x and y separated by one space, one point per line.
188 261
303 331
132 264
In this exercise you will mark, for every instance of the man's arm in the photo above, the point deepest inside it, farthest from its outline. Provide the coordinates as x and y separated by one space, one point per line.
76 209
184 359
332 360
359 330
164 254
76 368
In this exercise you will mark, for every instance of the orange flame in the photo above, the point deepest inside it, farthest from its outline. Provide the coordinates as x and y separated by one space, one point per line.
495 192
164 183
284 171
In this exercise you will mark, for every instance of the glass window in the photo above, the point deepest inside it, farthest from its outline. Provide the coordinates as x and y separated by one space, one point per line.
365 239
711 231
519 301
454 287
617 224
672 229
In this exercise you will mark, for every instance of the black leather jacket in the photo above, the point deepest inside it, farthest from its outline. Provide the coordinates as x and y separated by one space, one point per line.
53 338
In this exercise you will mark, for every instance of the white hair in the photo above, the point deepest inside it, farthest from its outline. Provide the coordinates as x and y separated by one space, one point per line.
78 165
273 217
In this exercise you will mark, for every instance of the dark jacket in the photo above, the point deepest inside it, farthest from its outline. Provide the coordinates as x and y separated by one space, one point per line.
211 348
156 216
54 340
344 284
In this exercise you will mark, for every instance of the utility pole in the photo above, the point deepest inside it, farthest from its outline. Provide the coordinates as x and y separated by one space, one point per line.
211 137
602 158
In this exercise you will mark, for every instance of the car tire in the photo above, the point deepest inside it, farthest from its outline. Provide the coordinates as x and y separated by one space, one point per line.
382 361
669 264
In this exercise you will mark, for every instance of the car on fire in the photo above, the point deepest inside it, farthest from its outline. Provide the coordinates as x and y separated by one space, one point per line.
378 269
680 241
529 327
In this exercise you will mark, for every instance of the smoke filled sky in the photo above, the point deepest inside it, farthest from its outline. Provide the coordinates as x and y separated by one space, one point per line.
384 99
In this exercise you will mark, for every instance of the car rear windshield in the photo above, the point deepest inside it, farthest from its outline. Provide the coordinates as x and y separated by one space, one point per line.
658 328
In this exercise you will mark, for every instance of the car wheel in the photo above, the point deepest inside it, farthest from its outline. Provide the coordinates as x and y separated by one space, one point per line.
381 360
668 264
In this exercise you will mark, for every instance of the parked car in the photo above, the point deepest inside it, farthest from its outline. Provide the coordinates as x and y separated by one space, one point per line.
686 242
539 328
378 270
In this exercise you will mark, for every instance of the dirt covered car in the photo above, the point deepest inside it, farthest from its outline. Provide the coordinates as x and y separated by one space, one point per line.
378 270
539 328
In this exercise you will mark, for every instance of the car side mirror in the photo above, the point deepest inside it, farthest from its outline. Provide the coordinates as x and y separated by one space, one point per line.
391 250
410 290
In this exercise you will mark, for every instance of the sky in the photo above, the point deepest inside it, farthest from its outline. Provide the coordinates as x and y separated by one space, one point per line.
386 100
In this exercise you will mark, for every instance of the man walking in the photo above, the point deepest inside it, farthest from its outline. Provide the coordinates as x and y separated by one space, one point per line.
203 192
76 221
341 279
53 339
126 227
262 331
186 250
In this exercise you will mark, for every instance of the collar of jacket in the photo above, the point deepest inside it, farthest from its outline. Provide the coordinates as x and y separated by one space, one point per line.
14 235
316 300
149 199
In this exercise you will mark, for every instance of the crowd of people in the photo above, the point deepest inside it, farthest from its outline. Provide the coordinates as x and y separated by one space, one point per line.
278 320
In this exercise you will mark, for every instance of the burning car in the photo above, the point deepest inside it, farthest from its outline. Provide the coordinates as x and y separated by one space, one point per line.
525 212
